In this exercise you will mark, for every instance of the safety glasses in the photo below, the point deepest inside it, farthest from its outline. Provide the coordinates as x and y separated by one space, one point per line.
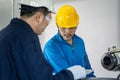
48 18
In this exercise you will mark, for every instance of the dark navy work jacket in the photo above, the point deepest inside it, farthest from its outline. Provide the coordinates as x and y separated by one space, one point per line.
21 57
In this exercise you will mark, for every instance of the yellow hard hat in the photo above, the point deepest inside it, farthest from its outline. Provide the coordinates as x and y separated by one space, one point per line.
67 17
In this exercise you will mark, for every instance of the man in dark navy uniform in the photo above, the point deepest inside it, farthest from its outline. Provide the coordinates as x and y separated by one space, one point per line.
21 56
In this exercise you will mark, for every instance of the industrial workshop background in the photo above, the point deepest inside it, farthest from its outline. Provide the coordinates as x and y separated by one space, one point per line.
99 27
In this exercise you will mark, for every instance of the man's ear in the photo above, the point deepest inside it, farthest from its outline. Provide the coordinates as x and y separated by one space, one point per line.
39 17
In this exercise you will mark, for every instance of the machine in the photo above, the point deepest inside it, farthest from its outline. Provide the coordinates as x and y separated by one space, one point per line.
111 60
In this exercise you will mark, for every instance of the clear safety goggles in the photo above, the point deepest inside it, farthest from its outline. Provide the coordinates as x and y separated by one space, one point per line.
48 18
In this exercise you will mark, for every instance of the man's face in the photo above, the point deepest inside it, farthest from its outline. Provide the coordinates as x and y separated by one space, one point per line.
44 23
67 33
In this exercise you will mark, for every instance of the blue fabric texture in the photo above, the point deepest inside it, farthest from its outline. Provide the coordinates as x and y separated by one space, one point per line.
21 57
62 55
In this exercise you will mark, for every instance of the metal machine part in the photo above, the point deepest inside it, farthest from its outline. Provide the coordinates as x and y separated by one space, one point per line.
118 78
111 59
99 79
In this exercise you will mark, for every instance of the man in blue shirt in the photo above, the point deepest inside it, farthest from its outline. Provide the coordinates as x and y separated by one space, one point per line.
66 49
21 56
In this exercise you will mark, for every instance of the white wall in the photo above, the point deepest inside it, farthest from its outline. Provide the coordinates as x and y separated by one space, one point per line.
99 27
6 12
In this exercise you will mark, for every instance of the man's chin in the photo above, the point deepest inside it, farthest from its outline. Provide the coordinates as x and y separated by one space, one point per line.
67 39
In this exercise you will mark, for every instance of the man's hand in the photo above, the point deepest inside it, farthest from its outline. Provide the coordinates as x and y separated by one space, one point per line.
78 71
